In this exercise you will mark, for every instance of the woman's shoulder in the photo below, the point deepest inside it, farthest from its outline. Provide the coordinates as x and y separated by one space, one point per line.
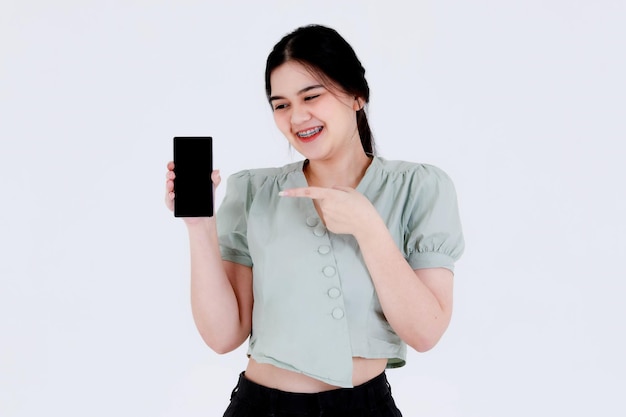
411 170
258 176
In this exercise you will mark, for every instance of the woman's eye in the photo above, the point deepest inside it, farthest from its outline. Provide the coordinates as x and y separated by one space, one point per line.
311 97
280 106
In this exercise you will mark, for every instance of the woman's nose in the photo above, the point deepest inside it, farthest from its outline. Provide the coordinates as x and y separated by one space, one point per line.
299 114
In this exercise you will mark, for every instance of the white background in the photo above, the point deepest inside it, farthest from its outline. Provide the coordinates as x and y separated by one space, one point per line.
523 103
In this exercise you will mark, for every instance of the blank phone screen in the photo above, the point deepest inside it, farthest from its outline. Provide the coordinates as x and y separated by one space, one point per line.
193 164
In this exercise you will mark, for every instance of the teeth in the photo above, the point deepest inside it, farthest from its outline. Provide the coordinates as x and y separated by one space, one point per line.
309 132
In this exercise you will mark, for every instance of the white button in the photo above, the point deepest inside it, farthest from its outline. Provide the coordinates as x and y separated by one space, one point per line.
337 313
312 221
334 292
324 249
329 271
319 231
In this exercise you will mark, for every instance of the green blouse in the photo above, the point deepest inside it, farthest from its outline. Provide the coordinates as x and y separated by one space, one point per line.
315 306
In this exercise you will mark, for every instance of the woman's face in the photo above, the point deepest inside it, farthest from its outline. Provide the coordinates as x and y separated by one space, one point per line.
318 122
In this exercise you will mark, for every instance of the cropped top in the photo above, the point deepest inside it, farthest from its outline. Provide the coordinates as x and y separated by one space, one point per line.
315 306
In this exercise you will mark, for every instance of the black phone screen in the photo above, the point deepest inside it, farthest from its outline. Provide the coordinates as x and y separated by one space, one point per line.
193 164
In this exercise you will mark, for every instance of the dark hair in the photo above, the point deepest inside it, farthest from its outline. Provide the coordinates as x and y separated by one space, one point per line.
325 52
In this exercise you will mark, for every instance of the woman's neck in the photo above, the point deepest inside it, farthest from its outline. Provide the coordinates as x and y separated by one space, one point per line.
345 171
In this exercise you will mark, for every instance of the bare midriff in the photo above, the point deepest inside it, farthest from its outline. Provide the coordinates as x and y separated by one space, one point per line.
271 376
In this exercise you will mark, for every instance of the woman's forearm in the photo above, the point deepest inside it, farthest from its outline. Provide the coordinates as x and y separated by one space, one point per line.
413 310
214 302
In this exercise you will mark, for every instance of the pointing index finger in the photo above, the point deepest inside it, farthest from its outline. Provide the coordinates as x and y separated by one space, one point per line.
316 193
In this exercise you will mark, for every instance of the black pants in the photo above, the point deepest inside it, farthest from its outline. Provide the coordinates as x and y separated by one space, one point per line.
372 399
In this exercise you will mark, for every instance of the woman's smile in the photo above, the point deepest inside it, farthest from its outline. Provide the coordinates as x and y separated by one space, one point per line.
309 135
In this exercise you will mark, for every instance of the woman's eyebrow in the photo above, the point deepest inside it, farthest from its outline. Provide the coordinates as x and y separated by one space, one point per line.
304 90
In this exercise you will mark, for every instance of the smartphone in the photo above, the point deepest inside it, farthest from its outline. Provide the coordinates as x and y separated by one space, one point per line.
193 164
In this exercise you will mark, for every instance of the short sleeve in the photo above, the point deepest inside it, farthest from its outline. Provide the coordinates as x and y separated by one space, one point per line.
232 219
433 236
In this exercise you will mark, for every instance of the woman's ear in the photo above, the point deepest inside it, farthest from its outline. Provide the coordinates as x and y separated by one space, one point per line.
358 103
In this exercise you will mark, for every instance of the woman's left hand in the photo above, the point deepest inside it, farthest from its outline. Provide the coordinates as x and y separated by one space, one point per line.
343 209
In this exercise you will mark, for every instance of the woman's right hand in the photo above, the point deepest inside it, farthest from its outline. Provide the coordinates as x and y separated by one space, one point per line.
170 194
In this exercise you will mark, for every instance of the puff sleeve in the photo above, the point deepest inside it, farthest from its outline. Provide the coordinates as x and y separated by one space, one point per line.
232 219
433 235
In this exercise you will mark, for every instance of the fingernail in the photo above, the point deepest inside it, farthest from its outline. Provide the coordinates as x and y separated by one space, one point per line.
282 193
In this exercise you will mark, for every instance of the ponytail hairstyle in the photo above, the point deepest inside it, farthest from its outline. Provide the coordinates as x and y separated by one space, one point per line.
323 51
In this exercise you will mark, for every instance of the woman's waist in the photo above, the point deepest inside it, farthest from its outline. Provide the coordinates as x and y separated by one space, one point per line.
363 370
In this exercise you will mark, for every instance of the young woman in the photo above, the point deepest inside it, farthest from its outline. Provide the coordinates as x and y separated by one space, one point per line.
331 265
